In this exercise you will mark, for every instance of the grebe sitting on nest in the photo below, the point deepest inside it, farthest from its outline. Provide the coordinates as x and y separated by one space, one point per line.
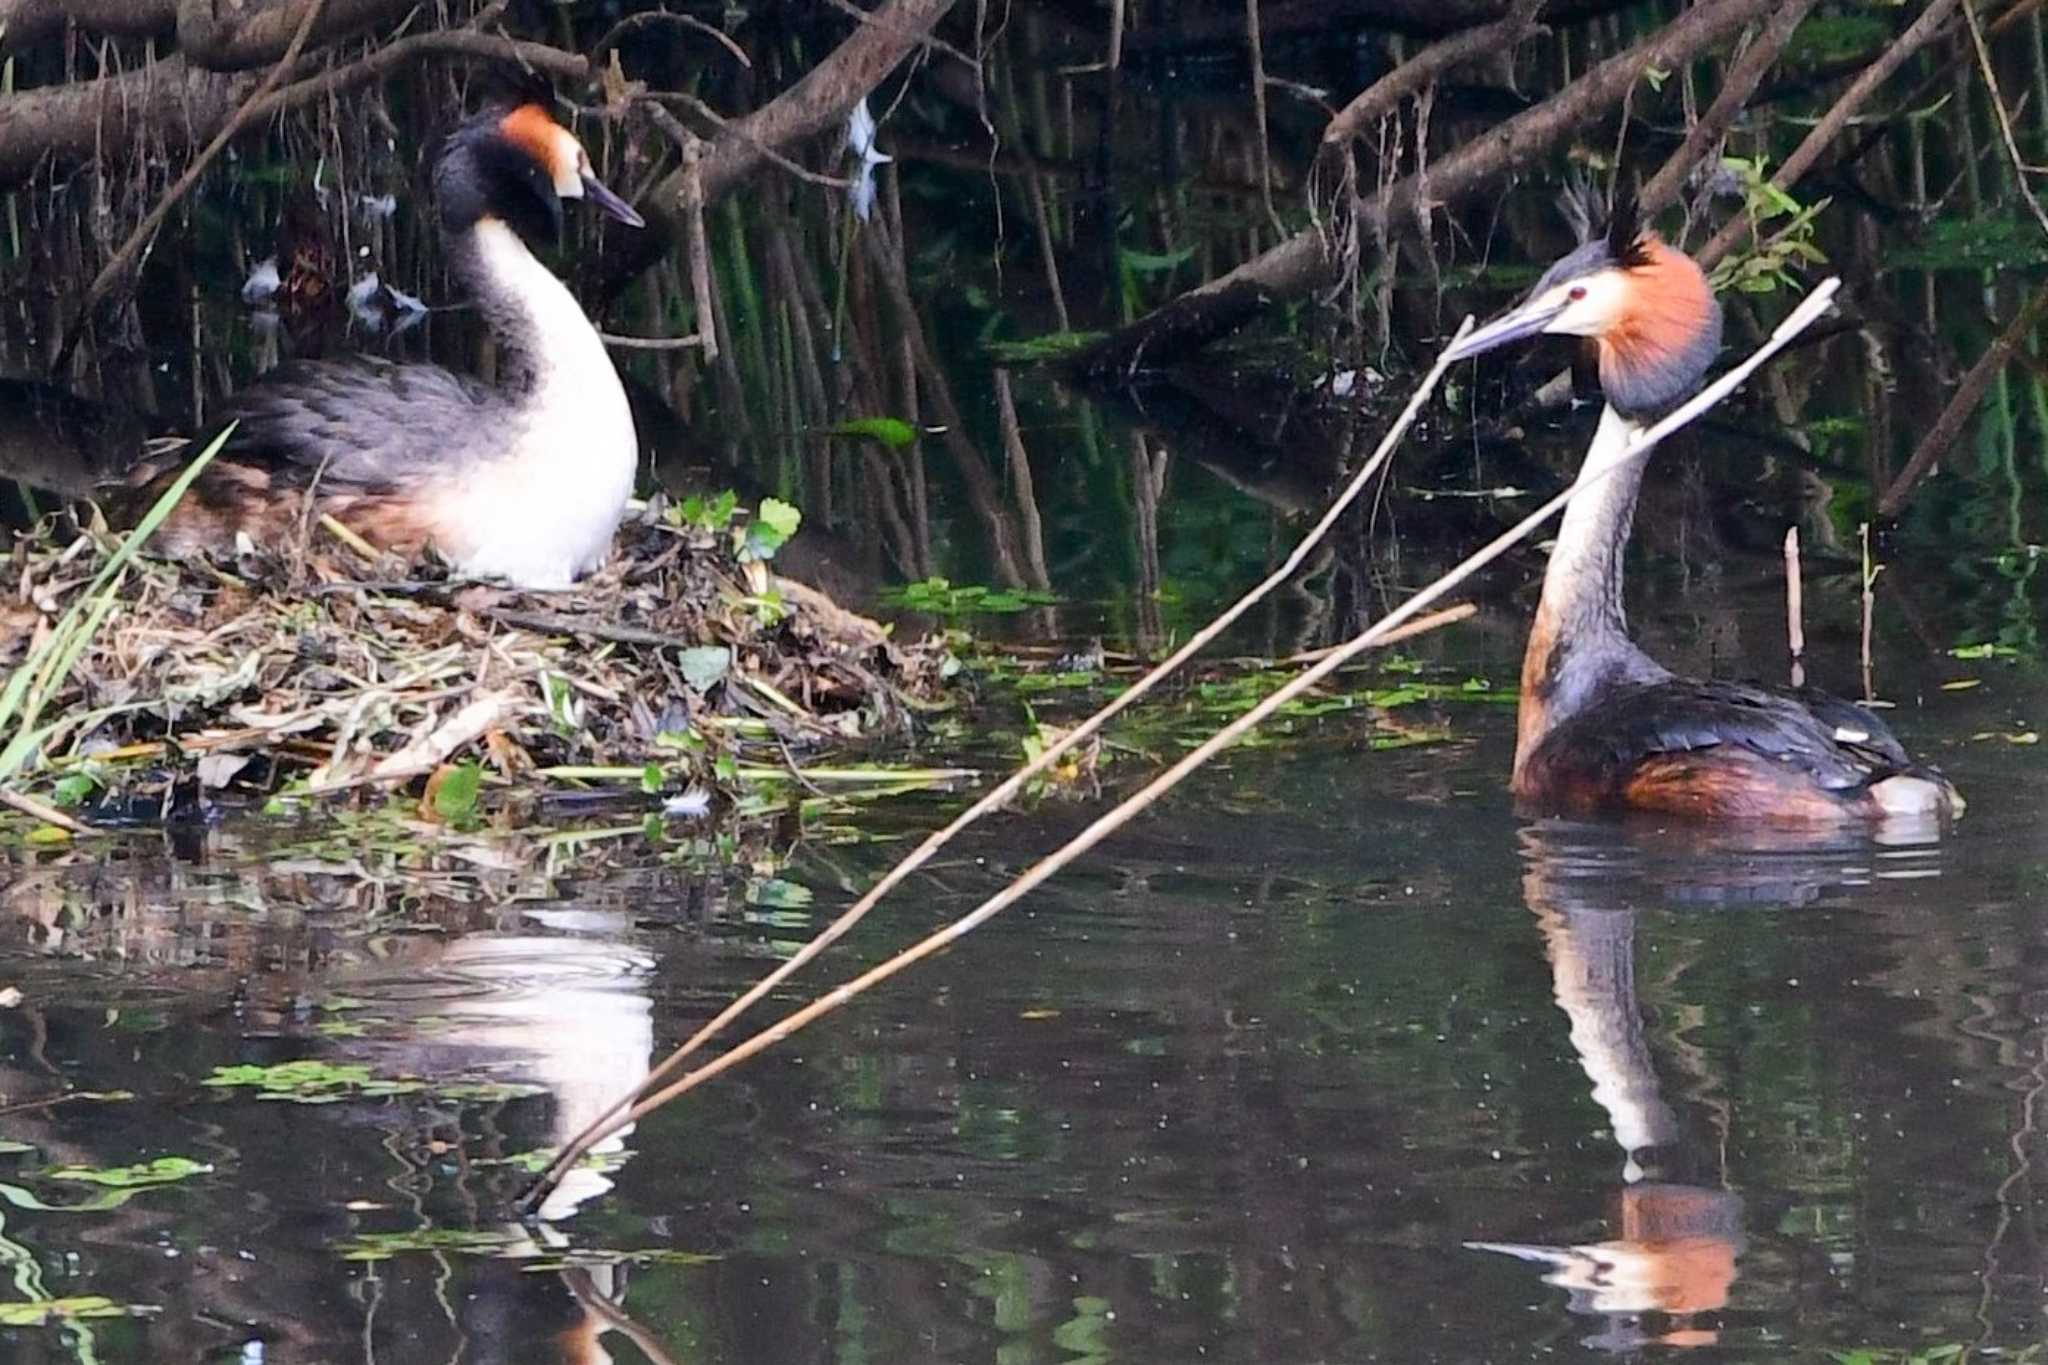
1603 725
523 480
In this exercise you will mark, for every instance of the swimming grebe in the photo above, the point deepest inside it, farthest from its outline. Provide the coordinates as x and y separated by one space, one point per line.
1602 724
524 480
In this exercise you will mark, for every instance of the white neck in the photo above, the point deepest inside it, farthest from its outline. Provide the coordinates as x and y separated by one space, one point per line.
1579 640
1593 977
1587 556
547 511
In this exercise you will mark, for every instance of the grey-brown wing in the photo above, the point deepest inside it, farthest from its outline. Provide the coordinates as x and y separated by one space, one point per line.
1838 745
362 422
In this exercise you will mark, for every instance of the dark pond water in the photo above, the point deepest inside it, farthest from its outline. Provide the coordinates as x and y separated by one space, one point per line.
1331 1057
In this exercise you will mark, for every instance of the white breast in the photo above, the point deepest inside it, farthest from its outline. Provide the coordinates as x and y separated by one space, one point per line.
543 512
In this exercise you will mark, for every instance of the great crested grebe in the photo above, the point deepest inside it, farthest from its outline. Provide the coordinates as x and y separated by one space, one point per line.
1603 725
523 480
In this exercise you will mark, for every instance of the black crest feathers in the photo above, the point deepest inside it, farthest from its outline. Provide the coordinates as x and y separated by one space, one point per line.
507 85
1625 232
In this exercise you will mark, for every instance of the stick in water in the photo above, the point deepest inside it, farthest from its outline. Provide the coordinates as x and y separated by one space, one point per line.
1385 630
1001 794
1795 609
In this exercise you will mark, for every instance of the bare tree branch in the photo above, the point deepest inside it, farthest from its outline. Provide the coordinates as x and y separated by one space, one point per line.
1379 99
130 251
1917 35
171 99
218 37
1963 405
25 23
1736 88
257 37
1304 261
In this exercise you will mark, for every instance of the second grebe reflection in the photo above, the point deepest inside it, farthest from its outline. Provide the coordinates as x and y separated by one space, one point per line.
1679 1226
558 997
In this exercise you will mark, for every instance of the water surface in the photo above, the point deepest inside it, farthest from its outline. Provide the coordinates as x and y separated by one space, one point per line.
1333 1056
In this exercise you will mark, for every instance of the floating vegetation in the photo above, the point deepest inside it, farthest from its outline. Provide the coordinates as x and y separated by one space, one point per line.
1403 703
312 1082
506 1241
165 1170
42 1312
382 1246
938 597
281 677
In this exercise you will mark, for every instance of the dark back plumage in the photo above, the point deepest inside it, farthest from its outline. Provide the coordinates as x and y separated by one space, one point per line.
361 422
1722 750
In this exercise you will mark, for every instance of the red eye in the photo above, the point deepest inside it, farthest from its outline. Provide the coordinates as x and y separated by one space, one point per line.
1578 292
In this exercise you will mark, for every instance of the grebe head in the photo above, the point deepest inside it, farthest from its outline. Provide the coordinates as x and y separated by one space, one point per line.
517 164
1647 307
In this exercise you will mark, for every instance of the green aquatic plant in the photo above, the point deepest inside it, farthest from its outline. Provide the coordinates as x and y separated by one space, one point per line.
165 1170
31 686
42 1312
893 432
312 1082
940 597
1772 262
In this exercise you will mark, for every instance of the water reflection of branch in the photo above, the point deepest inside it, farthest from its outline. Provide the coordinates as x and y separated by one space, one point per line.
1148 482
2020 1140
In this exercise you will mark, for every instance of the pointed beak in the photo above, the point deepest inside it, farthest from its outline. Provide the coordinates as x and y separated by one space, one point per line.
595 191
1525 321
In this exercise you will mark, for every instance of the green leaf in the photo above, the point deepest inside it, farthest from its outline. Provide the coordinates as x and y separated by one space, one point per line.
774 523
777 894
165 1170
74 787
704 665
893 432
707 514
455 798
1145 262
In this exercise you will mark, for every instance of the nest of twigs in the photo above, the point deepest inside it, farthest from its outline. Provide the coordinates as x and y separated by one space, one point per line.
318 671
